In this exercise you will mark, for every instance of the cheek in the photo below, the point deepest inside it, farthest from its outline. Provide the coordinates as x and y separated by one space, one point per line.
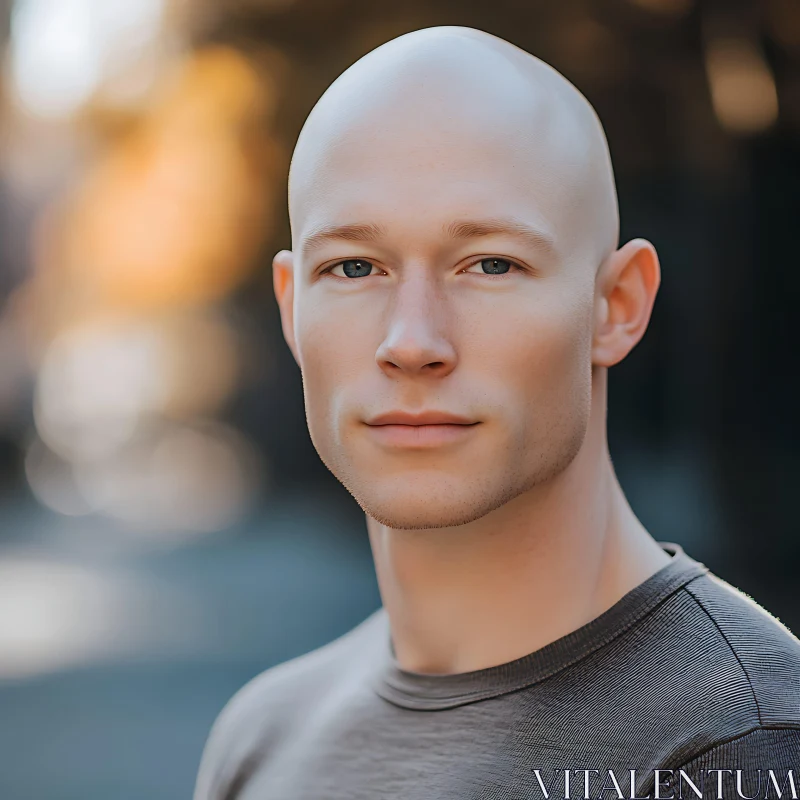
319 351
335 345
546 380
540 346
335 337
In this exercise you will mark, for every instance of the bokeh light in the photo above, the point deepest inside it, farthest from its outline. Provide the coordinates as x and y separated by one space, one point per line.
742 87
61 50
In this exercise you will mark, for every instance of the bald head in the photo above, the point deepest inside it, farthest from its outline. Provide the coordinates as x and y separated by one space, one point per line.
454 254
429 98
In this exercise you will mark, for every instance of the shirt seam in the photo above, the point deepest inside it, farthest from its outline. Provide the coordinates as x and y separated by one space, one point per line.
786 726
455 701
721 742
732 649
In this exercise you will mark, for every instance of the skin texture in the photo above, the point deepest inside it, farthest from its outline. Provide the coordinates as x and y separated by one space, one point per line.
436 154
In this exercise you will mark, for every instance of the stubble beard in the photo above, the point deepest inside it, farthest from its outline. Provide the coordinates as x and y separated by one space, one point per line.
444 508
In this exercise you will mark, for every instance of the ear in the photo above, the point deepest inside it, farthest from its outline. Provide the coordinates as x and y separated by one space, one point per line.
625 290
283 283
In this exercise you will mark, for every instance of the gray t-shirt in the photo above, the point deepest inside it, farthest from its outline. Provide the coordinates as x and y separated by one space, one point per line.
684 672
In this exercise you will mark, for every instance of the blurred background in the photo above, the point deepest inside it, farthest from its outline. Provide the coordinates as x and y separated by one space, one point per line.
167 530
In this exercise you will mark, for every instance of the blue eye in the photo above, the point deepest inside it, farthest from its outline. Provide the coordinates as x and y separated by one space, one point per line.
495 266
353 268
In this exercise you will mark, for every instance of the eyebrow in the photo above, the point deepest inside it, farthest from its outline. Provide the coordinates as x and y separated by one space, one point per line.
348 233
460 229
473 229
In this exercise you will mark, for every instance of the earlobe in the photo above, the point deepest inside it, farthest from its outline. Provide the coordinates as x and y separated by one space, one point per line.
626 289
283 284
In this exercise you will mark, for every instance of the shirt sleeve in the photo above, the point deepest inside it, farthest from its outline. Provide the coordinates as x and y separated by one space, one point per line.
764 763
233 747
210 781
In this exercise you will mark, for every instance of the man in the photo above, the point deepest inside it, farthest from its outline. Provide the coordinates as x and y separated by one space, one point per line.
454 299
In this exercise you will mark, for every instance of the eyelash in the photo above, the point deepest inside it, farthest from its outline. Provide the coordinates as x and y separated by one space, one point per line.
515 267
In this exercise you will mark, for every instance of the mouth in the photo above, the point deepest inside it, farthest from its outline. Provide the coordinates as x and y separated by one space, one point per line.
419 418
420 431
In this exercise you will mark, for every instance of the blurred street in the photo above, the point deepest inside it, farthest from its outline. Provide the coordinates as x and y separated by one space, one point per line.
164 639
167 529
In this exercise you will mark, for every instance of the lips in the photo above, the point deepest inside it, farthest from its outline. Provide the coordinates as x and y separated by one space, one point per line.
426 429
421 418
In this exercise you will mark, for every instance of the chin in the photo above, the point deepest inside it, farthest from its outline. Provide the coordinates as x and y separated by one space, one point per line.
421 519
428 503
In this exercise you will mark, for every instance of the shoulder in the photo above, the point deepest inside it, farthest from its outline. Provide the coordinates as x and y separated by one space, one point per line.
763 653
756 762
731 694
263 712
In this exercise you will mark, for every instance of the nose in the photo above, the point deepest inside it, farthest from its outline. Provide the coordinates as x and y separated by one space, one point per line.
416 342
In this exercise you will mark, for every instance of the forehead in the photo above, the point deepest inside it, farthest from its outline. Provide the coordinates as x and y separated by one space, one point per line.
414 181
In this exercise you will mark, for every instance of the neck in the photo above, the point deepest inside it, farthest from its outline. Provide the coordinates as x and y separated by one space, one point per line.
528 573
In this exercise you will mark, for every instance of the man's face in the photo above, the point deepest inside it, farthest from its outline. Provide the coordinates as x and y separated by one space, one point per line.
458 287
